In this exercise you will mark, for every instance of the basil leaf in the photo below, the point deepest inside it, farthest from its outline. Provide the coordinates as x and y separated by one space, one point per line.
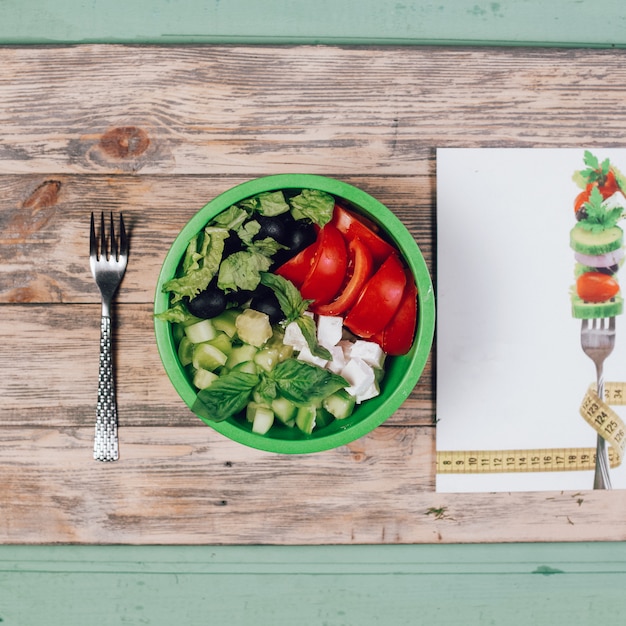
307 326
304 383
291 302
226 396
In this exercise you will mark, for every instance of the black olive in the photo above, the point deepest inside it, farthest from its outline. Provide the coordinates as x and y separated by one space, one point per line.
239 297
232 244
273 226
581 214
608 270
208 303
302 234
265 301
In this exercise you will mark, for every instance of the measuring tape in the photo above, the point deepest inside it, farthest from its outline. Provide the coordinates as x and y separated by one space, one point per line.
596 412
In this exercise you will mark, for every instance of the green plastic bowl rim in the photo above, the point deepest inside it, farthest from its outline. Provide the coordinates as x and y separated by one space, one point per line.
371 208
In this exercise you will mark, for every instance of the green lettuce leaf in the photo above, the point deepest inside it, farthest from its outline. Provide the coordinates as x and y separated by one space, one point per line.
199 265
241 270
314 205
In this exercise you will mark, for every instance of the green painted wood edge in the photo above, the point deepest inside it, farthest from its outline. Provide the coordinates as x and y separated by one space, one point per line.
448 559
569 23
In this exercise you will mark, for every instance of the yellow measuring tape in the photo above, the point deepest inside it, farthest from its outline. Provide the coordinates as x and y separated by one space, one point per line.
596 412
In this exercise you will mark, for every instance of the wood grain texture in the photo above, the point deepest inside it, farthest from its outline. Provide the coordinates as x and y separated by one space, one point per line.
158 132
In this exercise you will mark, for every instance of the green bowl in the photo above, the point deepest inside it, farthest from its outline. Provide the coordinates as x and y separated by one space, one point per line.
401 372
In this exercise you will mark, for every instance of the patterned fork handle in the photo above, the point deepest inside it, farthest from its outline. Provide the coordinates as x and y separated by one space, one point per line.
105 446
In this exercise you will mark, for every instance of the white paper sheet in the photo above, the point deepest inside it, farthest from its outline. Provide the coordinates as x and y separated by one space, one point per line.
511 373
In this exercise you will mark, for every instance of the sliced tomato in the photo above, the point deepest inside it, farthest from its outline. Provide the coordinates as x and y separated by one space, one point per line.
609 186
596 287
328 267
360 268
379 299
582 197
297 268
397 337
353 226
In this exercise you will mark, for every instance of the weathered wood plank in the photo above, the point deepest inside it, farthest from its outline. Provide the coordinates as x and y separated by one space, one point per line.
192 486
199 110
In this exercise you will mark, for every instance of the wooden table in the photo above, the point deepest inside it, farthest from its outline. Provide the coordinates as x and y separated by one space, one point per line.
159 131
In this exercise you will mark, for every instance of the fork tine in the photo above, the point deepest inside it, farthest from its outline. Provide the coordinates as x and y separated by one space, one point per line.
113 240
93 241
123 238
103 241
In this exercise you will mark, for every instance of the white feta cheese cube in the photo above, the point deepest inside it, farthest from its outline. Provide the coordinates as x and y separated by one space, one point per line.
369 351
306 355
371 392
329 330
338 361
617 199
359 374
294 337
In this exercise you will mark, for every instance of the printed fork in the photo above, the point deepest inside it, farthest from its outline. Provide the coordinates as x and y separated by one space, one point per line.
108 264
597 338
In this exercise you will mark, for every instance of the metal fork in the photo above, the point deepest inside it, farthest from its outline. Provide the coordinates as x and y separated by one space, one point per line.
108 264
597 338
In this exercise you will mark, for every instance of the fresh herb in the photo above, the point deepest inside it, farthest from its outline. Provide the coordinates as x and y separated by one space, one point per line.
226 396
304 383
599 217
298 381
595 172
293 307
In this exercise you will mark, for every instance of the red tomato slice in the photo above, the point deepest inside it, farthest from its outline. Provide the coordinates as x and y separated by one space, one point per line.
397 336
328 267
379 300
297 268
352 227
596 287
361 267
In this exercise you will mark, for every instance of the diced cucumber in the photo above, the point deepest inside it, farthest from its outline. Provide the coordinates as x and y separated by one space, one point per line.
201 331
248 367
185 351
253 327
261 416
203 378
222 342
594 243
285 410
208 357
266 358
323 418
340 404
241 354
225 322
305 418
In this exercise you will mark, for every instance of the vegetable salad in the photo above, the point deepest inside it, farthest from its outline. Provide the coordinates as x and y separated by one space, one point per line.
284 309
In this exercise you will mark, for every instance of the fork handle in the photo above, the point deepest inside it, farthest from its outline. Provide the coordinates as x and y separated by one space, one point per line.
105 447
602 476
